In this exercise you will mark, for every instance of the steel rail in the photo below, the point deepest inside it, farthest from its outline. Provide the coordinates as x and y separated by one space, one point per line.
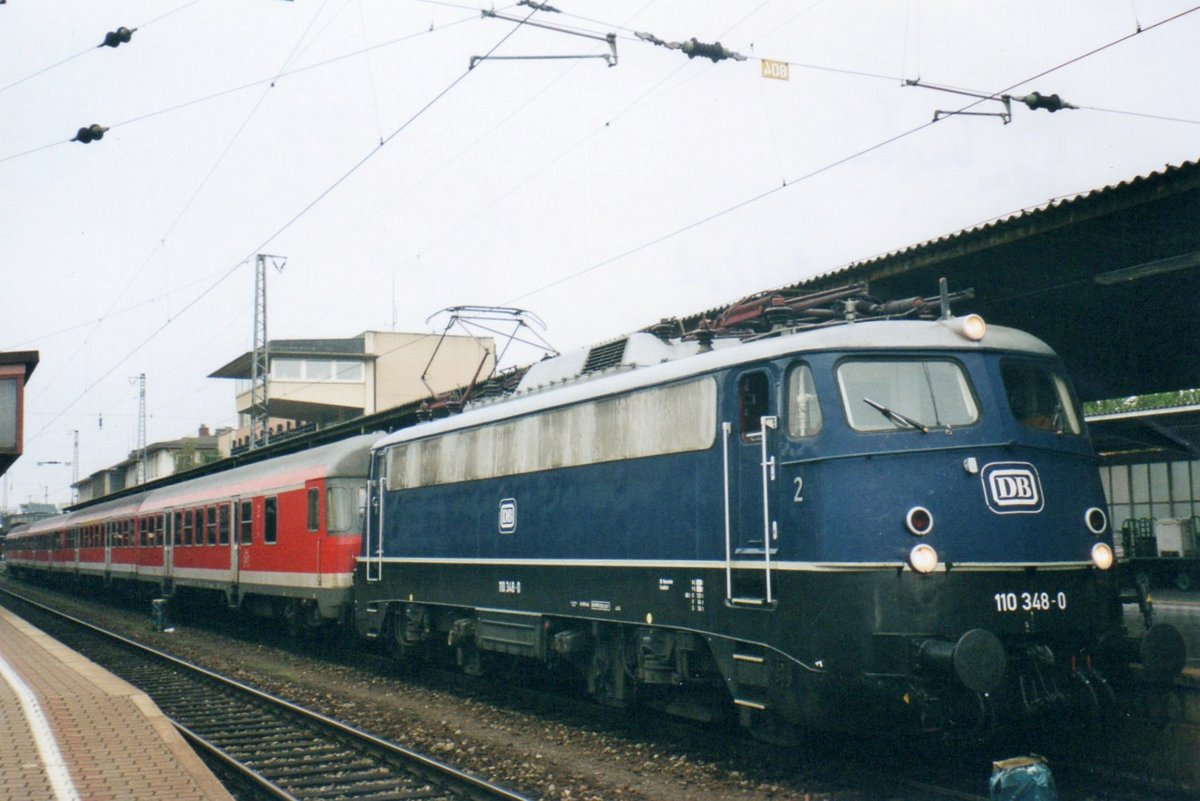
384 755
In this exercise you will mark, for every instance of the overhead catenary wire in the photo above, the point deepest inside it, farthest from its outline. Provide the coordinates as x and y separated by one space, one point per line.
262 245
187 205
120 38
837 163
248 85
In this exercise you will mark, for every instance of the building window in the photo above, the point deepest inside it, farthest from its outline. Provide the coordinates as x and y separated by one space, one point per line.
316 370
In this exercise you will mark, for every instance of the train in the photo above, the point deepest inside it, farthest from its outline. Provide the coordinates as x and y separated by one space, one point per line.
829 513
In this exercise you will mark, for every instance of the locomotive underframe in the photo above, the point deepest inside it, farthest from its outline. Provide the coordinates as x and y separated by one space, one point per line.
837 649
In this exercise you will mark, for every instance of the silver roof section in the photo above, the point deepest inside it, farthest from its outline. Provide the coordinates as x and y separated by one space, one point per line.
560 381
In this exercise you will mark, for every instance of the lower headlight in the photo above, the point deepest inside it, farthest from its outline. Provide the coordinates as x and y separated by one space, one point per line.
923 558
1102 555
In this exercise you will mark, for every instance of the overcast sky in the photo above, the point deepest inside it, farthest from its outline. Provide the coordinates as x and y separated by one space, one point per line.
601 198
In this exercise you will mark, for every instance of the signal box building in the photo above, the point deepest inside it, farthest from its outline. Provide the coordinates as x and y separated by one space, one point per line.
313 383
15 369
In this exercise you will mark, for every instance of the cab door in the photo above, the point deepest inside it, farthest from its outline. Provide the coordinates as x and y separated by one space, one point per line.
751 434
372 551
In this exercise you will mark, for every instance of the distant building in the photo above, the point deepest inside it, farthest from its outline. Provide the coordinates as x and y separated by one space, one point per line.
28 513
162 459
318 382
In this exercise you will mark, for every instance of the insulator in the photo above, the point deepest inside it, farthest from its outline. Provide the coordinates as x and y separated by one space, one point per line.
695 48
117 37
1051 103
90 134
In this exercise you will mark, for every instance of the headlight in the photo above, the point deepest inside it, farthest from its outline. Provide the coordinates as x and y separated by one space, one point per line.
1102 555
971 327
923 558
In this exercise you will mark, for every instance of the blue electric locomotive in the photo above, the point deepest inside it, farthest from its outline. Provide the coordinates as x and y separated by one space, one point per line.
895 520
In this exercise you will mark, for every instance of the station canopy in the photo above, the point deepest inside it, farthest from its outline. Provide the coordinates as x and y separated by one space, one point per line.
1109 278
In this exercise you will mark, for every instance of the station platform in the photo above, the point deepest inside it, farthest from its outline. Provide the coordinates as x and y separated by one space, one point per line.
72 731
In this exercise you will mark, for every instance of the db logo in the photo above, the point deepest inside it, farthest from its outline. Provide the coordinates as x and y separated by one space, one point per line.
1012 488
508 515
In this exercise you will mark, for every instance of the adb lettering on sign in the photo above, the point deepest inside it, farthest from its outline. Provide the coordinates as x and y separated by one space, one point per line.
1012 488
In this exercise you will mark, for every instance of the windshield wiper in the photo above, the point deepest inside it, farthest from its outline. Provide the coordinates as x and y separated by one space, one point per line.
899 419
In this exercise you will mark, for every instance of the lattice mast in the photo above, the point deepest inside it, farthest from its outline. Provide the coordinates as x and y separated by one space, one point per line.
260 417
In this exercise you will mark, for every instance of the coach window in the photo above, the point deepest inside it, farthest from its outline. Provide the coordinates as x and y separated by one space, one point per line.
803 410
223 524
339 509
187 527
754 403
270 506
314 509
246 523
160 530
210 525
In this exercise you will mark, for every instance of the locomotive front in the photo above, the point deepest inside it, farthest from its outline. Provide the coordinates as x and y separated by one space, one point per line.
968 463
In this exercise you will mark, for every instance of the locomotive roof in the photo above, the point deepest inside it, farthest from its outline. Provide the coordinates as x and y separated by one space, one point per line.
559 381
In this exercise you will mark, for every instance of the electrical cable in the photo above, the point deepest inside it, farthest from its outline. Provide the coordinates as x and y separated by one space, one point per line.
820 170
46 385
90 49
320 197
248 85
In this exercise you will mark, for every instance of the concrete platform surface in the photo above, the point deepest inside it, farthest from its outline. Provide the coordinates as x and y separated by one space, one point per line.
72 731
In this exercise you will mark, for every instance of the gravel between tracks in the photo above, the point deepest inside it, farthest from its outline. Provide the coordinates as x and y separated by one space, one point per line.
529 753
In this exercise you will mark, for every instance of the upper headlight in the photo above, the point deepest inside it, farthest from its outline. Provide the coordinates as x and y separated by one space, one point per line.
1102 555
971 327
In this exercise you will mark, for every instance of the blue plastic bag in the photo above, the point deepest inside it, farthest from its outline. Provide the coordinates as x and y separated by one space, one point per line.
1026 778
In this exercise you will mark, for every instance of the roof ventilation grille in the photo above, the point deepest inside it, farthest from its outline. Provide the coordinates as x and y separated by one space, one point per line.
604 356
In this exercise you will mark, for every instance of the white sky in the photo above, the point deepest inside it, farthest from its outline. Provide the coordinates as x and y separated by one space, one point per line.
576 190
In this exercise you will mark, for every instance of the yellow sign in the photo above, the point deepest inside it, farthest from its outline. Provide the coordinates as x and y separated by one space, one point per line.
775 69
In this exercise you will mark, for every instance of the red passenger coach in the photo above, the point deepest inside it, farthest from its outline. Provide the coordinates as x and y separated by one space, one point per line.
279 537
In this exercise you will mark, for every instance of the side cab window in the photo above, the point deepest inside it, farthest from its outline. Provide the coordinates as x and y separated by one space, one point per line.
803 408
754 403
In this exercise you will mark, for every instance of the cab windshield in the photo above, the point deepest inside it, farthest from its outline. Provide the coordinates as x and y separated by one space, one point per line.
1039 396
906 394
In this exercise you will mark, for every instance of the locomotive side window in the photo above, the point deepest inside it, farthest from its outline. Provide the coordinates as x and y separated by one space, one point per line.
270 506
803 410
754 403
246 522
314 509
910 394
1039 396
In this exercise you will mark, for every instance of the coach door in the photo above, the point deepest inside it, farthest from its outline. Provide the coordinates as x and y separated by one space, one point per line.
373 520
243 536
751 528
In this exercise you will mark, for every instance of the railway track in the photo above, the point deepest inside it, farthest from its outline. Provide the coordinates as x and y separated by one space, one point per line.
283 750
832 767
